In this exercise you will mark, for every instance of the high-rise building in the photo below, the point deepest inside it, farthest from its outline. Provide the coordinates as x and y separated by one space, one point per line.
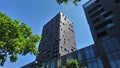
57 39
103 18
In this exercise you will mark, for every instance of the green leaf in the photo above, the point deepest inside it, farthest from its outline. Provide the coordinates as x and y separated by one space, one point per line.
16 38
66 1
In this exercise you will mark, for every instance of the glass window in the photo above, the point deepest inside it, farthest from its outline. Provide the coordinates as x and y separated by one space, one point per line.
109 17
96 20
53 64
79 56
110 25
89 52
68 56
101 34
111 45
47 65
95 63
103 13
90 65
106 48
94 9
97 13
100 64
114 60
116 43
117 59
111 60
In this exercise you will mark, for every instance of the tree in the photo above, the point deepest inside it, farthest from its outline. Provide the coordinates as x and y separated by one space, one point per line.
66 1
72 63
15 38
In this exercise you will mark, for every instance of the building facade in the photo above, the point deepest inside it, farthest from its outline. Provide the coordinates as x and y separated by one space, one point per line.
57 39
93 56
103 17
104 20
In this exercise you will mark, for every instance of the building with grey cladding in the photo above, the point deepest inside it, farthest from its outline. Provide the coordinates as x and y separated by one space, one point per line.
103 17
57 39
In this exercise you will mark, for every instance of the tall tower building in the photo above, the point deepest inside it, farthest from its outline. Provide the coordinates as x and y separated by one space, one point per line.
57 39
103 18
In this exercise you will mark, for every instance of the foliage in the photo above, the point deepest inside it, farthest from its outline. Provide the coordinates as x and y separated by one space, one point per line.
72 63
66 1
15 38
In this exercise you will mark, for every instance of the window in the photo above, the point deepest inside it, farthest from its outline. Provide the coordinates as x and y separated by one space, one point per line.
108 24
111 45
79 56
95 63
114 60
65 18
102 13
68 56
47 65
97 13
93 9
116 43
63 23
61 29
52 64
43 52
101 34
70 29
89 52
72 50
95 20
71 25
61 47
108 15
64 42
66 51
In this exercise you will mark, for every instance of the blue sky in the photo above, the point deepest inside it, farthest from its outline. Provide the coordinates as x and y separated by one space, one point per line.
36 13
